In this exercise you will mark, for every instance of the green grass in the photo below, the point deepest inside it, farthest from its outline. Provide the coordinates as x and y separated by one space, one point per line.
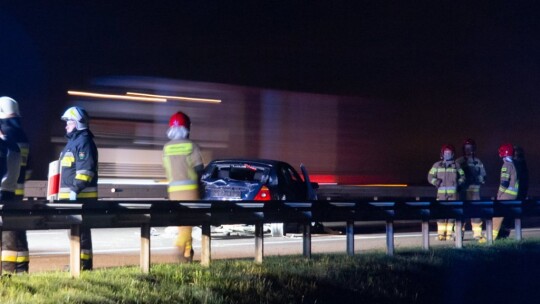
507 272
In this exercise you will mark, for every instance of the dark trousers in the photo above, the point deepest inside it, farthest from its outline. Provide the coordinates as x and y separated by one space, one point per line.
15 255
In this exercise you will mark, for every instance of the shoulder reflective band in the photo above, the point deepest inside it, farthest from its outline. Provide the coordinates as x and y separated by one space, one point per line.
178 149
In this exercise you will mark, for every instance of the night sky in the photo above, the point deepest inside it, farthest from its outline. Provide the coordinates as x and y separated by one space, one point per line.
448 70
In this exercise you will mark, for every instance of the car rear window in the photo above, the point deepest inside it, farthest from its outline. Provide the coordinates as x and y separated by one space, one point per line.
240 172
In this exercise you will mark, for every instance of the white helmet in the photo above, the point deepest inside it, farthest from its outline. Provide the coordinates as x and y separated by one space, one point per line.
8 107
78 115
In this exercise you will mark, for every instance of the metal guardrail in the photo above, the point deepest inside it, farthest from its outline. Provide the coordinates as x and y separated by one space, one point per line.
39 215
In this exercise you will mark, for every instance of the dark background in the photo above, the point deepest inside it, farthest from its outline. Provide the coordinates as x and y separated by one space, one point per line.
433 72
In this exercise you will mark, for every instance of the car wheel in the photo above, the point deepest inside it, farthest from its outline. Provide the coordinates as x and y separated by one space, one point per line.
277 229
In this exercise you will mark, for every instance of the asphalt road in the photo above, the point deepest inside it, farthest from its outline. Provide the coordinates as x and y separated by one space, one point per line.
49 249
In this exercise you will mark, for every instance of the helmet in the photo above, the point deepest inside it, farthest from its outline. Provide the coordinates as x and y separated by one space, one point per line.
179 126
8 107
506 150
470 142
447 147
78 115
180 119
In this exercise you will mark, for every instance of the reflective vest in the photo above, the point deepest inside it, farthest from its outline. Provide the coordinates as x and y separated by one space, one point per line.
180 157
446 176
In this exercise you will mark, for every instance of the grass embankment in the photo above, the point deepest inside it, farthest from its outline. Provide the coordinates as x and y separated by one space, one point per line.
508 272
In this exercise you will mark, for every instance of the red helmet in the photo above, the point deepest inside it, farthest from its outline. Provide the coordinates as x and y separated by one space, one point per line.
447 147
180 119
506 150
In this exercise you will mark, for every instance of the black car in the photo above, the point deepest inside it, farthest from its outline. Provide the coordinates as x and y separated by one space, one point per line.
256 179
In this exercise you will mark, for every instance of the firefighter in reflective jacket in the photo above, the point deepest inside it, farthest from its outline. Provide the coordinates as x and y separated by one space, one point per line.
78 171
509 186
14 149
446 175
475 176
183 165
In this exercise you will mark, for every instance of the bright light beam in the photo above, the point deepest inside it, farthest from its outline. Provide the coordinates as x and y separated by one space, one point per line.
168 97
112 96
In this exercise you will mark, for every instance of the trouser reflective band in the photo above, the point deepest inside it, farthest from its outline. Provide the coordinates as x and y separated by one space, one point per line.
86 254
15 256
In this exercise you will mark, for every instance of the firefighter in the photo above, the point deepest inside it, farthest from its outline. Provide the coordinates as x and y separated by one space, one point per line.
14 150
475 176
183 165
79 171
446 175
509 186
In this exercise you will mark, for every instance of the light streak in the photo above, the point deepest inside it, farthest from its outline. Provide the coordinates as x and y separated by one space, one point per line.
170 97
113 96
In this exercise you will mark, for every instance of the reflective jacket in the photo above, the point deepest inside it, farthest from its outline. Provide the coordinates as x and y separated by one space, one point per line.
180 157
79 166
475 176
446 176
509 187
14 151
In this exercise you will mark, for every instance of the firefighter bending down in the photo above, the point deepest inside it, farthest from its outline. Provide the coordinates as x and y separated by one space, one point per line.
183 165
446 175
14 149
475 177
79 171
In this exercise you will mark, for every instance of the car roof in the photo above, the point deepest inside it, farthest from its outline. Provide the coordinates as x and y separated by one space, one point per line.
264 162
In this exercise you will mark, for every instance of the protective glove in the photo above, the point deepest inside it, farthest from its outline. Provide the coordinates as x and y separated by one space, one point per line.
72 195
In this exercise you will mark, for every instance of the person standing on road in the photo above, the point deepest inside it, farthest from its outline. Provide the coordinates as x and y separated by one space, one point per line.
446 175
475 176
79 171
509 185
183 165
14 150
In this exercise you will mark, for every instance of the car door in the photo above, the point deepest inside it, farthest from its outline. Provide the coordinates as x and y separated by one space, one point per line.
291 185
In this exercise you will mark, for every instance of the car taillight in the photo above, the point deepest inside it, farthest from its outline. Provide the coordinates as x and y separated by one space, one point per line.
263 195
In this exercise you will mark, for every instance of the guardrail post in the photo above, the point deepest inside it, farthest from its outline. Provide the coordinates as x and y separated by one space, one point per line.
259 243
390 238
517 229
75 251
458 233
205 245
350 238
145 248
425 234
489 231
306 240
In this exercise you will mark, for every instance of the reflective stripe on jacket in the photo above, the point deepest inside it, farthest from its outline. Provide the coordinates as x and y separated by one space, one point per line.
79 166
15 148
509 186
180 157
446 176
